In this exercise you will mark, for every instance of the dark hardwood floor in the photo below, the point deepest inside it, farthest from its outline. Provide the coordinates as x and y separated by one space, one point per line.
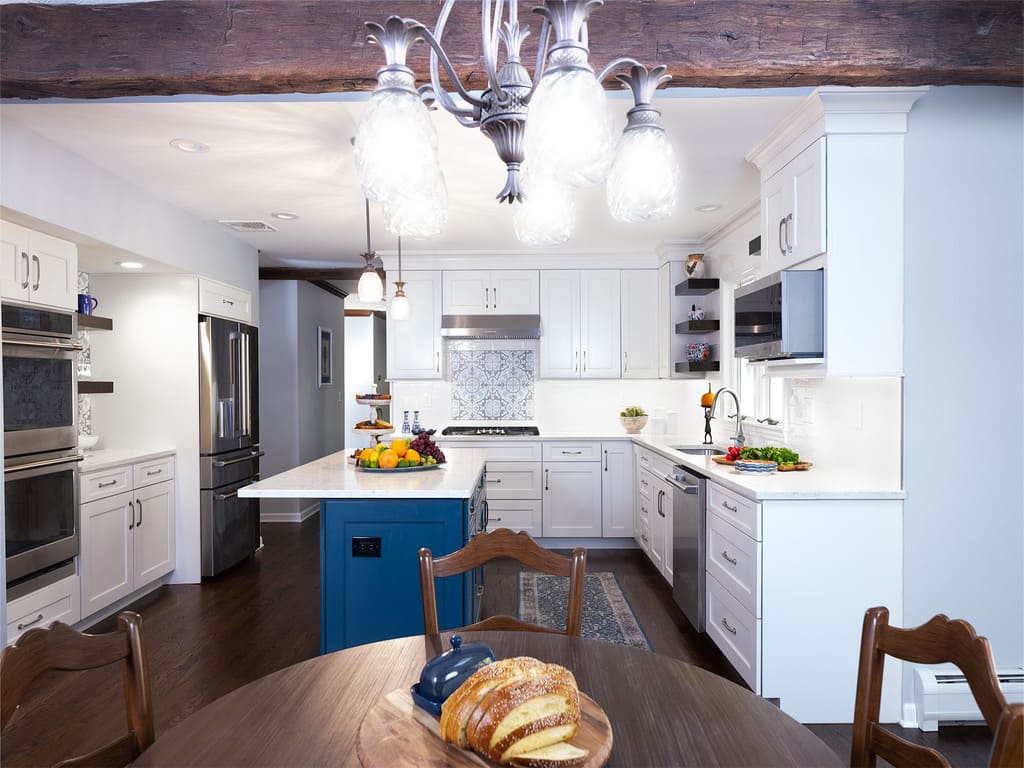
263 615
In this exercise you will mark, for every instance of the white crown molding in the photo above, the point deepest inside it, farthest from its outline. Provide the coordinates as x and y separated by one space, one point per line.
677 250
835 109
455 260
727 228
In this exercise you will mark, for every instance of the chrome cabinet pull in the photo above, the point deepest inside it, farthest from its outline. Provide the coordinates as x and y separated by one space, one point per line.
138 523
576 361
106 485
572 453
486 300
546 478
36 620
437 361
39 272
131 519
494 299
725 554
782 245
584 361
493 479
24 283
661 496
725 624
228 302
730 508
606 461
497 519
157 472
789 245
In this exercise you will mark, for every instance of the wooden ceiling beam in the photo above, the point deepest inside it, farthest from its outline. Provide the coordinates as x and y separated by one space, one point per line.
319 46
313 275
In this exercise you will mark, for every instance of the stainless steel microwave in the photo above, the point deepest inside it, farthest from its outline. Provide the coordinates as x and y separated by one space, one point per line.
781 316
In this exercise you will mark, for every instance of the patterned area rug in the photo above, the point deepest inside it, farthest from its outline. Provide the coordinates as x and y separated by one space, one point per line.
607 614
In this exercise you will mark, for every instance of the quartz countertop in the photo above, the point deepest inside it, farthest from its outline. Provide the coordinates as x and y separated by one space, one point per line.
115 457
335 477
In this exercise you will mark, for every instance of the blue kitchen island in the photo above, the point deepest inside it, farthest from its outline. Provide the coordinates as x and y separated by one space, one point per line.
372 525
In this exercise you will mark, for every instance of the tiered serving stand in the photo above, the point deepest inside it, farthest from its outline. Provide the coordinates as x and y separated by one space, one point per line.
376 405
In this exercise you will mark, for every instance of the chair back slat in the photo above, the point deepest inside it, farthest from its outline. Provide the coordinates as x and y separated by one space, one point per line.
487 546
938 641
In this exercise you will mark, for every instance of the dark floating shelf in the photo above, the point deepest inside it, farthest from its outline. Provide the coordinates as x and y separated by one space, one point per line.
90 387
696 326
697 286
95 322
701 366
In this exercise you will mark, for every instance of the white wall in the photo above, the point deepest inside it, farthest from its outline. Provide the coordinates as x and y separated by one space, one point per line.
964 363
321 409
359 345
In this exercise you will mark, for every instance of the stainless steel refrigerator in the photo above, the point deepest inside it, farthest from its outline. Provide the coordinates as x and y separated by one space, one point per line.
229 447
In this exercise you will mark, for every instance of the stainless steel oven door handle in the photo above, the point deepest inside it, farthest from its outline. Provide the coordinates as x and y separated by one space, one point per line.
46 463
58 346
254 455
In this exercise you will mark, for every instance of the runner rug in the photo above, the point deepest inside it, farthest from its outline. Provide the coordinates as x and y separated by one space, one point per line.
606 613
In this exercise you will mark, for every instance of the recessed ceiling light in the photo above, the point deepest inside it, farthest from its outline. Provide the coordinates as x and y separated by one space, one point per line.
709 208
129 264
189 145
284 216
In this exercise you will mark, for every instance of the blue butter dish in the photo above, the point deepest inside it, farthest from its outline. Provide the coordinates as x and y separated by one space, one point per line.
443 674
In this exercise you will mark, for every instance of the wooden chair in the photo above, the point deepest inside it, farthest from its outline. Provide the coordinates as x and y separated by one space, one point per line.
504 543
61 648
939 641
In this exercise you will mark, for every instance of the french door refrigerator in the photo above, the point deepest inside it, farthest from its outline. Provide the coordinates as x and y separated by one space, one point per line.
229 453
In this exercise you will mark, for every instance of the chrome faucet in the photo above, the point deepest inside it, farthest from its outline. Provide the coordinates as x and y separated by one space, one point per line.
738 438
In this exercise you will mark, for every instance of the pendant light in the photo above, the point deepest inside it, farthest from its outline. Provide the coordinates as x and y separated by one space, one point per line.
399 304
371 288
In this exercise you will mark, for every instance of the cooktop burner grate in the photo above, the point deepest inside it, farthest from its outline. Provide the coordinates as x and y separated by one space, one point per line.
491 431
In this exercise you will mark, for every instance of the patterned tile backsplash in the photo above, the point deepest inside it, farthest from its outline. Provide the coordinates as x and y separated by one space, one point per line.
492 384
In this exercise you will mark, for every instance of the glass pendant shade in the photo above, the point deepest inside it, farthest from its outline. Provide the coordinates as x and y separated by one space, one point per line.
419 215
569 129
399 307
370 286
644 180
396 147
547 215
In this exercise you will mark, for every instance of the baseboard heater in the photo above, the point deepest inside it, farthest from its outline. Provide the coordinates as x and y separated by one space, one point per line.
942 694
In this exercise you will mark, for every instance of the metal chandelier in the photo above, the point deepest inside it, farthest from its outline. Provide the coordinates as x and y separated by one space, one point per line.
553 131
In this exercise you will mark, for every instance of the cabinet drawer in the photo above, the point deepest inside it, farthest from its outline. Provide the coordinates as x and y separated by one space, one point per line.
105 482
513 480
153 471
738 510
519 515
645 509
732 558
572 451
55 602
735 631
496 450
645 459
224 300
645 486
644 536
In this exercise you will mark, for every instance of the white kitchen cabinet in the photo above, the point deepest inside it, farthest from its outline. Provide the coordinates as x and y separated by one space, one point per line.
127 536
661 527
580 336
223 300
793 200
414 344
617 492
641 330
572 498
54 602
37 268
477 292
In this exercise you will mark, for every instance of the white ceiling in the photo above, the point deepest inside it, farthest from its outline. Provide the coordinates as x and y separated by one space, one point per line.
294 154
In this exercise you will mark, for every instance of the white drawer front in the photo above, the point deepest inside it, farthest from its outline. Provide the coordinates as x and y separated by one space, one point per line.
153 471
645 536
662 466
572 451
497 450
735 631
646 485
738 510
106 482
224 300
645 459
732 558
54 602
519 515
645 509
513 480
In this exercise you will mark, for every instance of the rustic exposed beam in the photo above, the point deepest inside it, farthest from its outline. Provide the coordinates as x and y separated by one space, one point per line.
323 285
318 46
291 273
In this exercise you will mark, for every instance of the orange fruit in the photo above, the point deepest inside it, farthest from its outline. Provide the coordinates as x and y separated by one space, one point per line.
388 459
412 457
367 454
399 447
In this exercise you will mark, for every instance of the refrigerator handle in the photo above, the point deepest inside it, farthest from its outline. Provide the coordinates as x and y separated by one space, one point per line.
246 402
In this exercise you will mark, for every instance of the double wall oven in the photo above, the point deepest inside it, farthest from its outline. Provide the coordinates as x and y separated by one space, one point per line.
40 389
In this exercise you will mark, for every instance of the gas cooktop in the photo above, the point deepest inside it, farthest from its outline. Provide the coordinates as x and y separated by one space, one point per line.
491 431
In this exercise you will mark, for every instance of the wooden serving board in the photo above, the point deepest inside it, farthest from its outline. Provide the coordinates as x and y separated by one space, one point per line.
799 467
395 732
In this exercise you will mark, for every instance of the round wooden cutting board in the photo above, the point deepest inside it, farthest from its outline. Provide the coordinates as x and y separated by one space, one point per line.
396 732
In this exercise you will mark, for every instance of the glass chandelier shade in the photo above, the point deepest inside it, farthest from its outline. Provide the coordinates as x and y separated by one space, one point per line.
569 128
644 180
547 215
424 214
371 288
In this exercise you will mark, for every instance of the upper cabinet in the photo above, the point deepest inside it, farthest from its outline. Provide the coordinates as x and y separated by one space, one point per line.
37 268
223 300
580 336
793 201
414 344
640 327
503 292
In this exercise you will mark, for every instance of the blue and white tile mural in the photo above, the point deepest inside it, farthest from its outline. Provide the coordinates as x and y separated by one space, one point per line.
492 384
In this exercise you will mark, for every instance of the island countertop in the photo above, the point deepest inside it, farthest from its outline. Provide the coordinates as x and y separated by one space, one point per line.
335 477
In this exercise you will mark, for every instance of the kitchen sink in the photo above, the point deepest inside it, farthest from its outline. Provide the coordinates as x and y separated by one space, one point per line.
699 450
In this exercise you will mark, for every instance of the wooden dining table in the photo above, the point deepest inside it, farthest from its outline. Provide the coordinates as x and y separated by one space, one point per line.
663 712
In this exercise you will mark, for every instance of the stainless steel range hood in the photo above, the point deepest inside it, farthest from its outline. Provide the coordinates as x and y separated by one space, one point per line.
490 326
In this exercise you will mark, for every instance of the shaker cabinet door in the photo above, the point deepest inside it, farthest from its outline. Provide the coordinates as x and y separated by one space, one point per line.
414 344
154 532
107 556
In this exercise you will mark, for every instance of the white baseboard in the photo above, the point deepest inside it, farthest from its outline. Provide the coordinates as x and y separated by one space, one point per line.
290 517
909 719
110 610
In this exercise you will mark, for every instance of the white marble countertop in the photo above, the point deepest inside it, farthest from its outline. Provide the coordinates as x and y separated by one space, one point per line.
334 477
115 457
819 482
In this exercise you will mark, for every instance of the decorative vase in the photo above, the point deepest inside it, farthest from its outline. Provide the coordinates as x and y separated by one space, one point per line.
633 424
694 266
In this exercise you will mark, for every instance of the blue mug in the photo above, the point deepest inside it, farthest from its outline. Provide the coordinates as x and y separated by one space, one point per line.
86 303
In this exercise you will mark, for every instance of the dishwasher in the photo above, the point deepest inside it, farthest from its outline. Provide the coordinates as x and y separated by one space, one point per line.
689 505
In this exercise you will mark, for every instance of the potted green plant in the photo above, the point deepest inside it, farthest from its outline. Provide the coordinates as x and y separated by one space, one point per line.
633 418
